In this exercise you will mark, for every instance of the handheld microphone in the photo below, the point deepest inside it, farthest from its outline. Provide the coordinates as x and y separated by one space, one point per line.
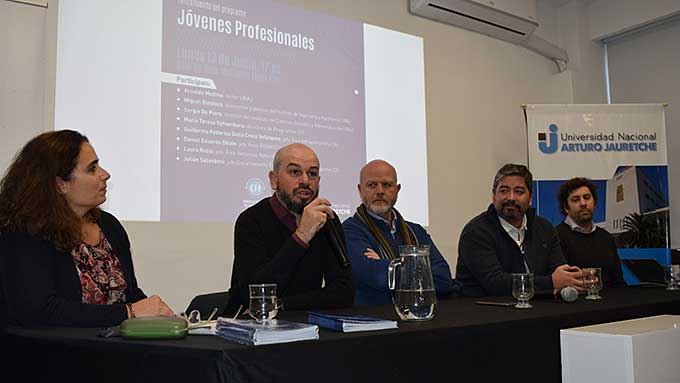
568 294
336 242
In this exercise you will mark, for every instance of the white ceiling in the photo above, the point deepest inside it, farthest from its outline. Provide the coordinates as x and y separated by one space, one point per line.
559 3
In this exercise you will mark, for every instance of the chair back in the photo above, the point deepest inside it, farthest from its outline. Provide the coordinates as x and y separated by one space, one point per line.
206 303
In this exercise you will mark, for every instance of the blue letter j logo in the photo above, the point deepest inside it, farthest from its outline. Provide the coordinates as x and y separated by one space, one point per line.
551 145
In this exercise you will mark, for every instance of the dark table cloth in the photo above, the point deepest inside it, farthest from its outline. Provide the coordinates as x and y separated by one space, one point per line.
488 343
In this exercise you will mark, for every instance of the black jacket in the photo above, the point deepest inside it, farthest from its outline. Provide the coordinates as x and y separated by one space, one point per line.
266 252
487 256
41 286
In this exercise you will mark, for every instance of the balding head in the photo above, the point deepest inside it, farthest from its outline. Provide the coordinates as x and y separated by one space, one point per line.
295 176
296 150
378 187
377 166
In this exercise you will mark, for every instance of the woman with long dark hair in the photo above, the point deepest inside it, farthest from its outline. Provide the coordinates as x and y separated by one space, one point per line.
63 261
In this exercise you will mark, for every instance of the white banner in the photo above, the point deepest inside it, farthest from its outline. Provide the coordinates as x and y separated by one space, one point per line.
592 141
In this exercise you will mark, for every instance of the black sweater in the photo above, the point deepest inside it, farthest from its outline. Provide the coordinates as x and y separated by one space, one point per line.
41 286
487 256
266 252
596 249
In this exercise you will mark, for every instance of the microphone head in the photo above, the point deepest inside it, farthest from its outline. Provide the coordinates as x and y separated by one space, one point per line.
569 294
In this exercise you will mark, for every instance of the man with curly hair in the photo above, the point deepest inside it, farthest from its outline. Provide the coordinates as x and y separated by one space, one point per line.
585 244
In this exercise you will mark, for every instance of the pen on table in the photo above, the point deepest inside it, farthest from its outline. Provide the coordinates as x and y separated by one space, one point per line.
212 314
238 311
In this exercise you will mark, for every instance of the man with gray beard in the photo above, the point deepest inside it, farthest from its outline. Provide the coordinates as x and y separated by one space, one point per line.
375 232
293 239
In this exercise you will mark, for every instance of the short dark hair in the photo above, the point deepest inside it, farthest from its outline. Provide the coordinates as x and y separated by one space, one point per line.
571 185
513 170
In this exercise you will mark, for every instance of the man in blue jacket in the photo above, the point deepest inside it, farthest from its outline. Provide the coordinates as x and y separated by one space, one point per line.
375 232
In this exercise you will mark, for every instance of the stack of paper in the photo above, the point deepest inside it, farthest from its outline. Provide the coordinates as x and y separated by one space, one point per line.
274 331
350 323
203 328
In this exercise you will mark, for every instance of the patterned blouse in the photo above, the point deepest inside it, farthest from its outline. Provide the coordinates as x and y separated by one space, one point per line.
101 275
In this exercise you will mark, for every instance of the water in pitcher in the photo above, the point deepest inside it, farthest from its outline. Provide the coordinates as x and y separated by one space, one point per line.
415 304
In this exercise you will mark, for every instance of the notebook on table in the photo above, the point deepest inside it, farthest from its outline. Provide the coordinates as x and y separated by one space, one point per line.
275 331
350 323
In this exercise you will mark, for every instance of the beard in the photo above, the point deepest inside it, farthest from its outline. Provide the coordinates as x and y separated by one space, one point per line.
510 214
380 207
584 217
296 207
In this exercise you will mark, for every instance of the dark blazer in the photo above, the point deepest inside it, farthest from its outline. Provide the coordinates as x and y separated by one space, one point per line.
266 252
41 286
487 256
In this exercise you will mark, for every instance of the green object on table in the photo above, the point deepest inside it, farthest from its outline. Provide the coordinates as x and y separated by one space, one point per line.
154 328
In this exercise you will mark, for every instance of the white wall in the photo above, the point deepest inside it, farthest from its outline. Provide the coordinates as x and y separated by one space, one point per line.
475 87
22 76
611 17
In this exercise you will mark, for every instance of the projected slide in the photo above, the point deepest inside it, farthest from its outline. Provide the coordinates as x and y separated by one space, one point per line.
186 102
242 80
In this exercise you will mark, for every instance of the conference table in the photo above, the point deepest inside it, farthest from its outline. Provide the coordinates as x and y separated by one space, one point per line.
465 341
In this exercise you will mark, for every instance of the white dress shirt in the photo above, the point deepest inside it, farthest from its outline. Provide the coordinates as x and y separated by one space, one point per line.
517 234
575 227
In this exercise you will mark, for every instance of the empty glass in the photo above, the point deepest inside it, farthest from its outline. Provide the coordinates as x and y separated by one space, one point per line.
523 289
262 302
592 281
673 277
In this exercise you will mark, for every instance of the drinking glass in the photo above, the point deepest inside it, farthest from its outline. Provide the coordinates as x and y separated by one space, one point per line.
673 277
262 306
523 289
592 281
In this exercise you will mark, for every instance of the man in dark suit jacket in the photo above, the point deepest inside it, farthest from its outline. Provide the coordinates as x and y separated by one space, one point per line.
293 239
510 238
